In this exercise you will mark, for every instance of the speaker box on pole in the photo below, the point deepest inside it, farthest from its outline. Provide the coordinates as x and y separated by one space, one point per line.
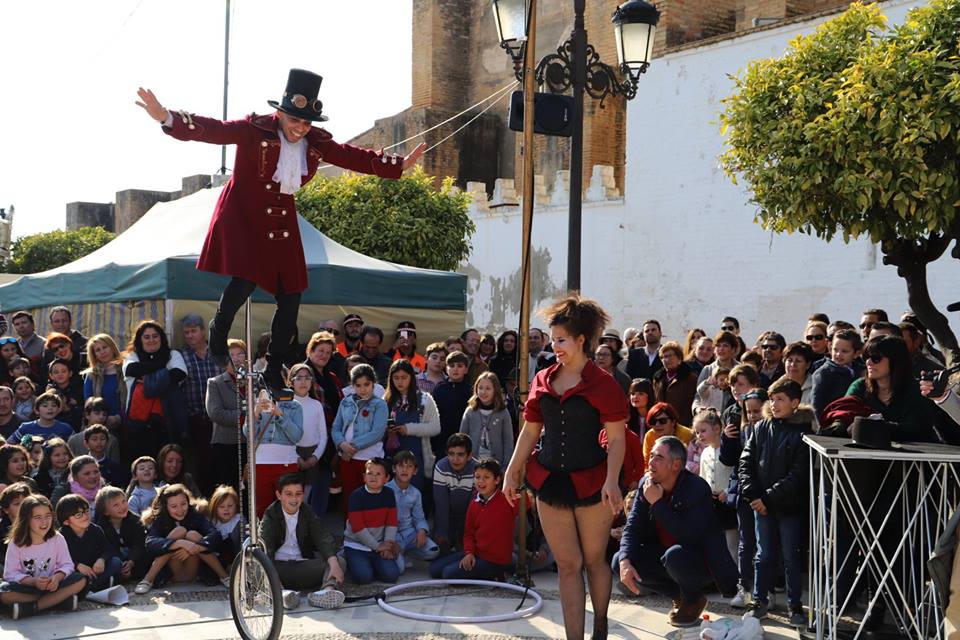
553 114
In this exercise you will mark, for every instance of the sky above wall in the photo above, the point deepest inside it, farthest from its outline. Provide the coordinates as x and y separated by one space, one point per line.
70 71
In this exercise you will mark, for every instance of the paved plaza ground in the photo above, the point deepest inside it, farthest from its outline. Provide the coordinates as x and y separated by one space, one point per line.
196 613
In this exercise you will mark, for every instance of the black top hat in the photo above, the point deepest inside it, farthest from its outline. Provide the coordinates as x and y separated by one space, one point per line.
871 434
300 96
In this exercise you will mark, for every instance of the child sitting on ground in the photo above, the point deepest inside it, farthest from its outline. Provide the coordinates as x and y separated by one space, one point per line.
47 406
413 531
37 572
54 466
95 439
488 536
95 411
223 509
369 542
123 531
453 483
144 486
303 552
179 538
10 499
91 552
25 394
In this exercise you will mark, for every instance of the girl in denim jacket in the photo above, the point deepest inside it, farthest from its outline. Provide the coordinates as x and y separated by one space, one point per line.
359 429
279 428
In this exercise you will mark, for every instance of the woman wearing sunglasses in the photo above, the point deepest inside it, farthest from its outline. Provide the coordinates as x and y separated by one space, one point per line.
663 420
60 346
891 390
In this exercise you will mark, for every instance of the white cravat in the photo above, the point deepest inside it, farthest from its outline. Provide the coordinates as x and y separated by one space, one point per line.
292 164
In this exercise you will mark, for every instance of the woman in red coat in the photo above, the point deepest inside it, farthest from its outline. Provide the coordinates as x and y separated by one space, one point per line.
254 235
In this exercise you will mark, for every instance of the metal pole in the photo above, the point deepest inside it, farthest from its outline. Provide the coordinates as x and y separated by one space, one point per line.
226 76
579 81
523 383
251 428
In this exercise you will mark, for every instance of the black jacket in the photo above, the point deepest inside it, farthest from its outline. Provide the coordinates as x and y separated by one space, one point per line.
688 515
774 464
130 541
638 364
830 382
158 543
93 546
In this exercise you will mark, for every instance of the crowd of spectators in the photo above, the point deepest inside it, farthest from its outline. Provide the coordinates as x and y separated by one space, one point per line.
126 466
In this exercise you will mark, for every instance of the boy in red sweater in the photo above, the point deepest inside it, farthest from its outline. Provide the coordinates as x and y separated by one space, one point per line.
488 534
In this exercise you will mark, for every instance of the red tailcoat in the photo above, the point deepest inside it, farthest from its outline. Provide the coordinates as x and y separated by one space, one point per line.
254 233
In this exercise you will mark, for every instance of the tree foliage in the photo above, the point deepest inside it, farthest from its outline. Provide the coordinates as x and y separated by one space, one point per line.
43 251
406 221
856 131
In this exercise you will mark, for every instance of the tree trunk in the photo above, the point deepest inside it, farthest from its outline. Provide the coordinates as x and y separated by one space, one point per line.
911 259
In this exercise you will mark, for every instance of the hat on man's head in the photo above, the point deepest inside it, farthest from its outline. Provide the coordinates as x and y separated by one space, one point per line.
352 317
406 325
300 96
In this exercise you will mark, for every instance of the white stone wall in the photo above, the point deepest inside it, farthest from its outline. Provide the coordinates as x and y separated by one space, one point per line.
682 245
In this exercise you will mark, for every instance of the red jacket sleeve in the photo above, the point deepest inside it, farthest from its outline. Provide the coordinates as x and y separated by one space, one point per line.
209 129
362 160
470 529
531 410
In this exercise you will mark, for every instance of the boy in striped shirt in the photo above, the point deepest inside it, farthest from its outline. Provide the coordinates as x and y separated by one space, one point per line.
369 542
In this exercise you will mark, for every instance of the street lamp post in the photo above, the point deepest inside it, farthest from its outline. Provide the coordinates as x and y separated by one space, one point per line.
576 65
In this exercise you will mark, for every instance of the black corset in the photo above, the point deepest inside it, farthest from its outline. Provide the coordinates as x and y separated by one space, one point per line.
571 433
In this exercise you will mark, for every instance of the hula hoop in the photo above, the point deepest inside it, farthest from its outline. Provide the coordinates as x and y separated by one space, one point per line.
503 617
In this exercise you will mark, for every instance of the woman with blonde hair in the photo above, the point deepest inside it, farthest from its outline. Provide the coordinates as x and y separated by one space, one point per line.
102 378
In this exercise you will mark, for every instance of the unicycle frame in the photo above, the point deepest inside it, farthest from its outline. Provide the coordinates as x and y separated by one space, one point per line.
251 424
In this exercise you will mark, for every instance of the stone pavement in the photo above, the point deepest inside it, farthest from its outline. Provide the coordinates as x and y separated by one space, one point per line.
195 613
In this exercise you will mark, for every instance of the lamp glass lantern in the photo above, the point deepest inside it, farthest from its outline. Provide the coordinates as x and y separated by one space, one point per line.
635 24
511 19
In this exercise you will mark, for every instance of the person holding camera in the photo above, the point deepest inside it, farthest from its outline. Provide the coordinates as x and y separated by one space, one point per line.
934 385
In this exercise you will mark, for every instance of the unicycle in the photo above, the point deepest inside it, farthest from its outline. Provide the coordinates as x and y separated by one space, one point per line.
256 600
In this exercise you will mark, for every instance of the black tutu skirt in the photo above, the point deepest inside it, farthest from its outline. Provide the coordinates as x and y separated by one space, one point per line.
558 491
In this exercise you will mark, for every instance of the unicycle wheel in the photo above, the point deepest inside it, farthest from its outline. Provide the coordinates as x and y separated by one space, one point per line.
256 600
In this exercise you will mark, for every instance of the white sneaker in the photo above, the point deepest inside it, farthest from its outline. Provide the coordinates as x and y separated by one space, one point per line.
742 600
326 599
143 587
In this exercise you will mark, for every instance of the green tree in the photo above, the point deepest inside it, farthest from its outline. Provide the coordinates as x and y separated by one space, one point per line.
43 251
854 132
406 221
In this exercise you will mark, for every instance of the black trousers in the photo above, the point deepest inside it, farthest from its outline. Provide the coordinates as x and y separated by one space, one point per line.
283 329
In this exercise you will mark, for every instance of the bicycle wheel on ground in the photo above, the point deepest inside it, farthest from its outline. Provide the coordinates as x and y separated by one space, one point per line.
255 595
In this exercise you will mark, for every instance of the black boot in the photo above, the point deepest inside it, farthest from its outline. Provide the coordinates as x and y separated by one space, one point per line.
273 375
217 344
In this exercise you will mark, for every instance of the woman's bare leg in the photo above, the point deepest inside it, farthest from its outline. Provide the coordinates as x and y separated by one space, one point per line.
560 529
593 527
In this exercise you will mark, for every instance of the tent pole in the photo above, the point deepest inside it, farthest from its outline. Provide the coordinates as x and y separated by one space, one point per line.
530 48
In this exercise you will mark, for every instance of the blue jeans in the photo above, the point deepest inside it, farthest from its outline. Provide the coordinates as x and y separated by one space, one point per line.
747 551
778 536
320 491
112 569
364 565
675 571
407 539
448 568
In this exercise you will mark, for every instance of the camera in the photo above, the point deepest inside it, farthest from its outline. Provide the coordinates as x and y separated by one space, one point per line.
940 379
